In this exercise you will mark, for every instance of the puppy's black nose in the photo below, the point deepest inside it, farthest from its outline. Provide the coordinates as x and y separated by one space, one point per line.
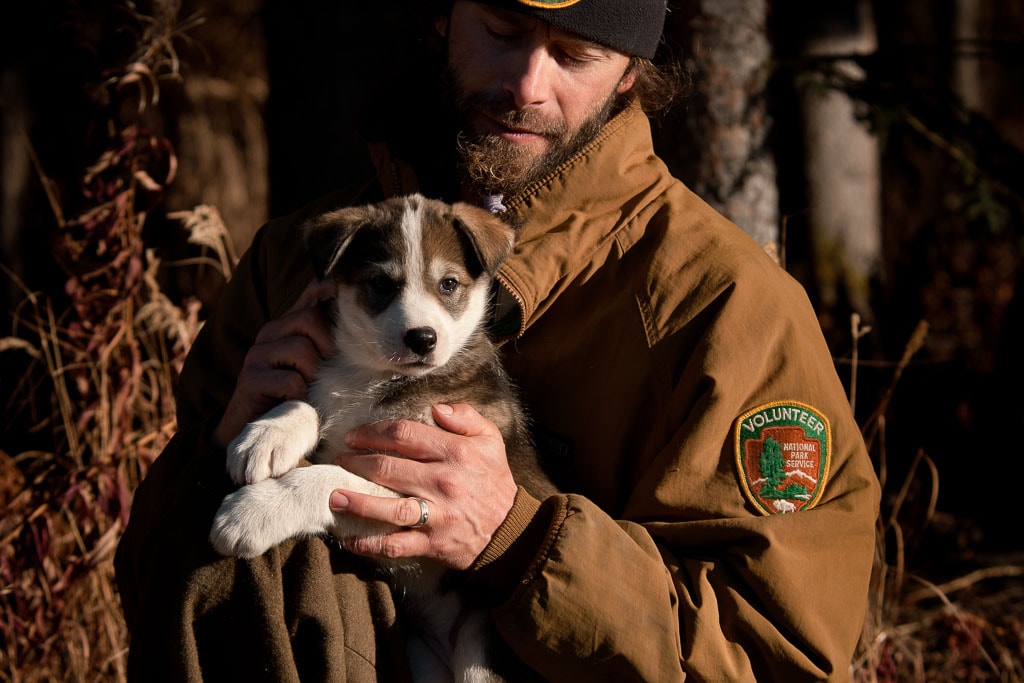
421 340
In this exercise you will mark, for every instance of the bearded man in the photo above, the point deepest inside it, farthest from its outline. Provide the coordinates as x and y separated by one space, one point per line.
718 506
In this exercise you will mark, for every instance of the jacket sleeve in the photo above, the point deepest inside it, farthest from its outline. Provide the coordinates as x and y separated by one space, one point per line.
689 579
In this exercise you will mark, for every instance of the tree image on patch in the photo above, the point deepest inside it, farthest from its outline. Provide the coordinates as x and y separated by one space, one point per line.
774 474
782 456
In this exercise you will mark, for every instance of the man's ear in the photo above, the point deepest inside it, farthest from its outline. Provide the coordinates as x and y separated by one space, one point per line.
441 25
627 80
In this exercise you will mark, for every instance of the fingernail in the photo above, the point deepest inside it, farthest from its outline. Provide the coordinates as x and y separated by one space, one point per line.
444 409
339 501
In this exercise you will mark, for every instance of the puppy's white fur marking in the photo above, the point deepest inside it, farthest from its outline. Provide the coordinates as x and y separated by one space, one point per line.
275 443
412 281
254 519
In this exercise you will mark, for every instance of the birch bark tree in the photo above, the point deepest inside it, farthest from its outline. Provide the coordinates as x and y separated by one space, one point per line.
719 144
841 159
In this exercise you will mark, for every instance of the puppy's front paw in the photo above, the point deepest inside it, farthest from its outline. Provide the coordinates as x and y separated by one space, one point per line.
274 444
257 517
239 530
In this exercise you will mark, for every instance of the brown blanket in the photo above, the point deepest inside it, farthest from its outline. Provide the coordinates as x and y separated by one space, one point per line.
195 616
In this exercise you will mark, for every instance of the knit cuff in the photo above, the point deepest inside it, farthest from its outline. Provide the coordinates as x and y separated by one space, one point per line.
504 562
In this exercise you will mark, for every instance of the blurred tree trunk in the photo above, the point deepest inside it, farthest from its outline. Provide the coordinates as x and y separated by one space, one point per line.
213 114
967 76
221 137
841 158
15 178
716 140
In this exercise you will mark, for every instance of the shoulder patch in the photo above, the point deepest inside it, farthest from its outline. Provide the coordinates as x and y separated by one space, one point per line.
783 454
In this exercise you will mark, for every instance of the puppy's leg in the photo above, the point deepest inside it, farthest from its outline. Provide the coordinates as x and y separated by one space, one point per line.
275 443
471 655
259 516
448 633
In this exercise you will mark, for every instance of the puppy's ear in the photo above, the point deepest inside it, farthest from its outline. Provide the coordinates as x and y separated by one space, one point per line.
491 237
327 235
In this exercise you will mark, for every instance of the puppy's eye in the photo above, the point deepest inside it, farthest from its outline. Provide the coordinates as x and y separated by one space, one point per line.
448 285
381 284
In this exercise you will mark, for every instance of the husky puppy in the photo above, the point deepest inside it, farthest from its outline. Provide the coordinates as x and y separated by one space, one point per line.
413 279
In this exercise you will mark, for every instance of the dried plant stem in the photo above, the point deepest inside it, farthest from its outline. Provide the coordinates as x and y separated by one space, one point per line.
963 582
857 331
913 346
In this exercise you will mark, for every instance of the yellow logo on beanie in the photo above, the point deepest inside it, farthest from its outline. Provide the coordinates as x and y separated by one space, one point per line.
548 4
630 26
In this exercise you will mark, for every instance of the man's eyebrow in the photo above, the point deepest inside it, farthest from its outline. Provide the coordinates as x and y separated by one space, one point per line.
596 47
507 15
585 44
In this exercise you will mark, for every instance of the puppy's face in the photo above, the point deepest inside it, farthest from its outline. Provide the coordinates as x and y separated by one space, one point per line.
413 278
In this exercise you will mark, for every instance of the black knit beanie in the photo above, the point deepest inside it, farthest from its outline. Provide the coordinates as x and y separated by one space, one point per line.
630 26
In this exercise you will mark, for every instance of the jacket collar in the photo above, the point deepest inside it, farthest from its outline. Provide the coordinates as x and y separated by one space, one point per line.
573 213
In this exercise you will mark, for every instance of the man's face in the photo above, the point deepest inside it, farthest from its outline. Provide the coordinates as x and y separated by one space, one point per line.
530 94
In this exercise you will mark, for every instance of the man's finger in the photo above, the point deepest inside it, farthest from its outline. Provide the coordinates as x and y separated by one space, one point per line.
392 546
410 439
316 292
401 512
402 474
463 419
310 323
296 353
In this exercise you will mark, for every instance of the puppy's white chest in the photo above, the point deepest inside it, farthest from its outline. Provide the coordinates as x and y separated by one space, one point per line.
342 408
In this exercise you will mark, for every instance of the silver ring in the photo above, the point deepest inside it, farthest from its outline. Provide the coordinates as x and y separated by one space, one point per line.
424 514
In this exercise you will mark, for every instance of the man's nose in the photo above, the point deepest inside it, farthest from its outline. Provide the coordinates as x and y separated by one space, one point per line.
528 78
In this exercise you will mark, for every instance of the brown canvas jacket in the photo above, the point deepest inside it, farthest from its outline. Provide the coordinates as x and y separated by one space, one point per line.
645 325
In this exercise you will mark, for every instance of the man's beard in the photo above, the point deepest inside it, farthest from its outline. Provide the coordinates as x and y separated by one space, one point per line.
495 165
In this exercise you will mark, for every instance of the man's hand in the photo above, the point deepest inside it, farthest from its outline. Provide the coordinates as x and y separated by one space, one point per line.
281 362
460 471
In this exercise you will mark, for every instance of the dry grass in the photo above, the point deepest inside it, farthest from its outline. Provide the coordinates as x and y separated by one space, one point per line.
970 628
96 390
